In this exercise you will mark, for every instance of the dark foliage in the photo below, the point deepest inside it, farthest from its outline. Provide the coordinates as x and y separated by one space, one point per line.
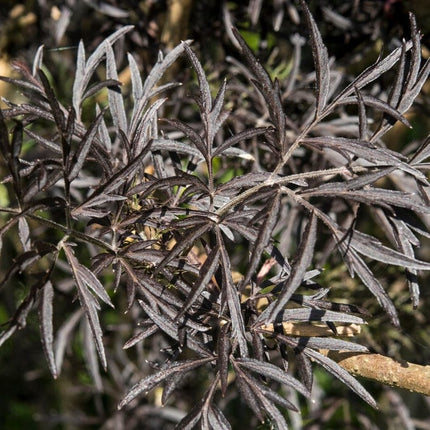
171 200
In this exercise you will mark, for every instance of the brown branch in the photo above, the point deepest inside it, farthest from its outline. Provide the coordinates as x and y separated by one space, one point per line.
376 367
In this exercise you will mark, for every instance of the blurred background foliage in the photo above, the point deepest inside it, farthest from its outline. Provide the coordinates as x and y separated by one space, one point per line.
354 32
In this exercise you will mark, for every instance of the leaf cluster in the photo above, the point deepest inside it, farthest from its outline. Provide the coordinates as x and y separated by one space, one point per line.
211 237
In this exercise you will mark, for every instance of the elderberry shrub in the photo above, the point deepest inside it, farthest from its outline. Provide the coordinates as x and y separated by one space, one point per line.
205 229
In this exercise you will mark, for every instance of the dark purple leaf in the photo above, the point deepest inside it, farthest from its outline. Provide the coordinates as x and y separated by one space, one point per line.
373 248
232 297
223 352
378 105
321 61
273 372
141 335
263 237
298 271
217 419
342 375
332 344
205 274
191 134
187 241
358 266
171 328
205 93
90 355
150 382
88 301
85 69
80 156
53 102
307 314
46 296
62 339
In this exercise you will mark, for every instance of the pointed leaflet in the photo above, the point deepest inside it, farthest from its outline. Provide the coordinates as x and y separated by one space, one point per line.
223 352
415 59
144 130
205 93
270 394
268 405
422 153
25 85
136 80
367 178
115 181
249 398
186 241
190 420
48 144
232 296
95 88
163 63
140 336
363 150
88 303
85 70
216 119
371 196
322 68
397 88
191 134
38 60
170 385
167 325
409 97
315 314
264 236
79 82
91 280
372 248
62 338
80 155
205 274
207 406
176 146
243 135
368 278
332 344
270 91
56 111
150 382
341 374
217 419
46 296
154 76
90 355
372 72
298 271
378 105
304 367
116 102
273 372
275 397
405 240
331 366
